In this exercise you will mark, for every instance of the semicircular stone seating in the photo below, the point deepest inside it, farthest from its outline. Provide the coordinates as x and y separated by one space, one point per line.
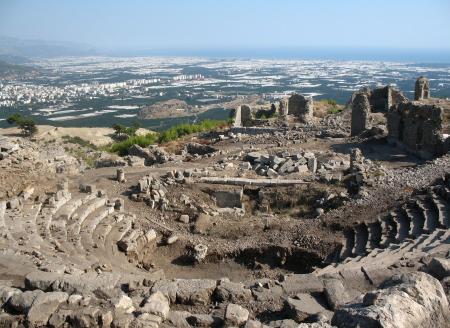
76 229
420 225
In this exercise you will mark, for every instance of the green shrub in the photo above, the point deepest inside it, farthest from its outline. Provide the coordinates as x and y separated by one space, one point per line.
170 134
181 130
334 110
78 141
144 141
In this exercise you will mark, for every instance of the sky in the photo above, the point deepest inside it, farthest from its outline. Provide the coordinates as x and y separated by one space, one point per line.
222 24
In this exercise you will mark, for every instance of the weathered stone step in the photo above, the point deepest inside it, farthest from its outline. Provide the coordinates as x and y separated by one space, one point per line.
439 207
419 241
375 252
431 217
389 231
431 238
54 203
403 225
375 234
91 222
103 228
361 239
349 244
68 209
117 232
84 211
443 239
416 219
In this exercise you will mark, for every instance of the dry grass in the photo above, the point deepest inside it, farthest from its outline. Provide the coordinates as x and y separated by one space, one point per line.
323 108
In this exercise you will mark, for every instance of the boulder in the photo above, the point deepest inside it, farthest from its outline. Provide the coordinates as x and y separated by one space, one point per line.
44 306
6 320
121 320
168 288
21 303
178 319
124 303
303 306
439 267
271 173
193 148
71 283
335 292
232 292
235 315
256 156
195 291
147 320
157 304
6 293
403 301
204 320
184 218
301 283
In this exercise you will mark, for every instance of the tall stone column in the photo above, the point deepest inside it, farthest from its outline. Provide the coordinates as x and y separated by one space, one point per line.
422 90
360 114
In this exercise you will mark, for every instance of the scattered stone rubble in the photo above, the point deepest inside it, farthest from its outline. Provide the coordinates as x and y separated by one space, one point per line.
282 163
152 154
24 154
152 191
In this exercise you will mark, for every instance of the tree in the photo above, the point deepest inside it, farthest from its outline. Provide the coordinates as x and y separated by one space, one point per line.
26 124
121 131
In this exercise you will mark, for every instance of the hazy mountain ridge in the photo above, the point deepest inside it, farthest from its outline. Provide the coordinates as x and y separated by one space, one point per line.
20 49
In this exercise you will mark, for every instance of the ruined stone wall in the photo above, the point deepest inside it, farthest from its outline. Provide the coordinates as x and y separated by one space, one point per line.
418 126
243 116
301 106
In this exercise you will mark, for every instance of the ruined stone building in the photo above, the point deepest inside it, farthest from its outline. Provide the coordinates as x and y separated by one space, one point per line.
381 99
422 89
367 101
301 107
423 127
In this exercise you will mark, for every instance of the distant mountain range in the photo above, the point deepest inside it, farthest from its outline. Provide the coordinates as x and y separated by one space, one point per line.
6 67
17 51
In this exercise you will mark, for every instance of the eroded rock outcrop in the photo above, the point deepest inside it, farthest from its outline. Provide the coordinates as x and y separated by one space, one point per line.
404 301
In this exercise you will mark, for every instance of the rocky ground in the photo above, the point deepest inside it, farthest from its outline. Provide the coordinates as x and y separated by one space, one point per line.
300 227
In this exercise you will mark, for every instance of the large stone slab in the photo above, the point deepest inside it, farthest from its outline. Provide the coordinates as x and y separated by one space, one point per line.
301 283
